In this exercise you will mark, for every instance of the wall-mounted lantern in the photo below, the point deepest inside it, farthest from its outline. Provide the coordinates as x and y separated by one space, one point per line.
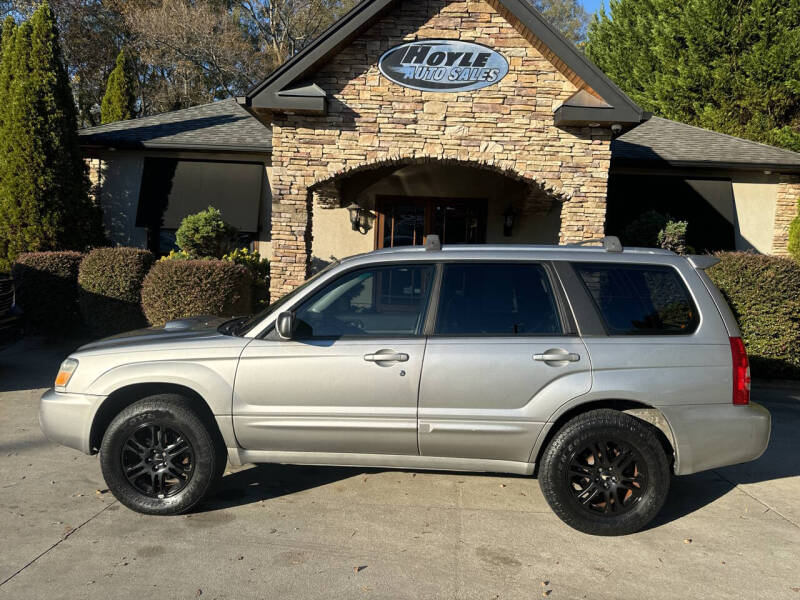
361 219
508 221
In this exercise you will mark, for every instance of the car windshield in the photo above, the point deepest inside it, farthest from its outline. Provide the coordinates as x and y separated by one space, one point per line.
251 322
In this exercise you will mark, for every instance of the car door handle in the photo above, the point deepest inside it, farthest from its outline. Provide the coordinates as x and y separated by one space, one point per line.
557 357
387 357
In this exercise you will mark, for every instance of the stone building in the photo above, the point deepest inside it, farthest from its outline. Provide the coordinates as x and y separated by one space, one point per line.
474 120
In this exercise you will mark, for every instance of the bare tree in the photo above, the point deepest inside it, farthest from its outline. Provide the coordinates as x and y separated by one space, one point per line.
282 27
192 52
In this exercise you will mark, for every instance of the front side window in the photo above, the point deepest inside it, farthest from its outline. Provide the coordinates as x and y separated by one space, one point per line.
503 299
639 299
378 301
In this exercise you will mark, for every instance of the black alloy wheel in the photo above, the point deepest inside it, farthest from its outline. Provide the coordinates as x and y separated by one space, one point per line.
607 477
158 460
160 457
605 472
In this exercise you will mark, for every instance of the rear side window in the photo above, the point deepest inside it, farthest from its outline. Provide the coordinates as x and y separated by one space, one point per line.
496 299
639 299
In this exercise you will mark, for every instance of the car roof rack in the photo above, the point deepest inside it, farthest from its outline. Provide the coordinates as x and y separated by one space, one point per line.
433 243
610 243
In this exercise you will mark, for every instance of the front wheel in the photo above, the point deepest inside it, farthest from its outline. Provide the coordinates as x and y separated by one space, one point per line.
605 473
159 458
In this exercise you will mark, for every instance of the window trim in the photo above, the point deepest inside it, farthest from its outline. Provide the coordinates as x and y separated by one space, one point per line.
599 313
566 324
420 334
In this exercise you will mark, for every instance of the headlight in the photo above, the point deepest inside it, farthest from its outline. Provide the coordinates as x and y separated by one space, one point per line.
65 372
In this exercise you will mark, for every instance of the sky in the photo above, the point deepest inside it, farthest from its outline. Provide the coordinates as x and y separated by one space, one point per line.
591 6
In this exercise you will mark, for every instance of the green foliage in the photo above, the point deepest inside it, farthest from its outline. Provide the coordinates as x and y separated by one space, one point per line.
764 294
794 235
110 281
177 255
44 186
673 236
727 66
259 270
47 291
205 234
643 230
175 289
119 102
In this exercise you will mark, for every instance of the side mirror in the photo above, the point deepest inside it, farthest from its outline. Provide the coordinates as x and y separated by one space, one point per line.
285 325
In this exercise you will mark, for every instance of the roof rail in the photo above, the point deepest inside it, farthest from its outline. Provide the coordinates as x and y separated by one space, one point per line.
610 243
433 243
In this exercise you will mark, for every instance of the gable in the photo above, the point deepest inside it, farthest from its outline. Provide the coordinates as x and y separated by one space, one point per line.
293 87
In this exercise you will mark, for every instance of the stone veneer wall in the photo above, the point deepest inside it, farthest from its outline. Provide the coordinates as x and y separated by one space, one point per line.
785 211
508 126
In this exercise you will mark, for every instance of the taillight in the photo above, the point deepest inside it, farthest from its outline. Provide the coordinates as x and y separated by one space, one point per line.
741 372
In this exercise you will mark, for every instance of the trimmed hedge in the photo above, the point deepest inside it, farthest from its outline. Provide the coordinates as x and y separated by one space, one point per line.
764 294
174 289
110 281
47 291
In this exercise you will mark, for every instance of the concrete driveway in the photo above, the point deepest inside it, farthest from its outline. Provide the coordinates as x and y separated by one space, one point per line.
308 532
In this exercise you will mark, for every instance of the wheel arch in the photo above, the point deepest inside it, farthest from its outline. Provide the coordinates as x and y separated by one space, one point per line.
123 397
635 408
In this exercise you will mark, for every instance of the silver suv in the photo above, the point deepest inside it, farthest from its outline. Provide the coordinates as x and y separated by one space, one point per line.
600 369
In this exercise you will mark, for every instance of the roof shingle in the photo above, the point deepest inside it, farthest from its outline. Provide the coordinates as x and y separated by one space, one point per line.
219 126
677 144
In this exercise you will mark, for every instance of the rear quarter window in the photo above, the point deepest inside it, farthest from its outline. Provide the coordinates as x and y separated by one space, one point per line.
639 299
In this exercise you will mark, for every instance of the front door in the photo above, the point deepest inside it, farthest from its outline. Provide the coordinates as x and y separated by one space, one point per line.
499 355
407 220
348 380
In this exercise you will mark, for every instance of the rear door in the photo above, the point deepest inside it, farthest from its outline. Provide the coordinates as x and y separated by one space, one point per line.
501 349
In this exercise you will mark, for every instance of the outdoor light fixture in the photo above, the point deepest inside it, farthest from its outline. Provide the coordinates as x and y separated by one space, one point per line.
508 221
361 219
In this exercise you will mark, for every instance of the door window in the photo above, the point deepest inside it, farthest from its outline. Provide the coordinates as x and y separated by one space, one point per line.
497 299
640 299
378 301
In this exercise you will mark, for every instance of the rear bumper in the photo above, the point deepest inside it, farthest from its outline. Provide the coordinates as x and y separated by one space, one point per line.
708 436
67 418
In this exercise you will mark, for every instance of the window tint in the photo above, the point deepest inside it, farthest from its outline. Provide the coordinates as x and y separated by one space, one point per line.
380 301
496 299
640 299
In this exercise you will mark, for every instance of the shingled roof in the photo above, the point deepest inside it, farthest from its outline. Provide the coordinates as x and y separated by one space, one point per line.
675 144
219 126
226 126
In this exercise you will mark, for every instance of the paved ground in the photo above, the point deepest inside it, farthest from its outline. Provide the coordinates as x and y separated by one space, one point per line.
307 532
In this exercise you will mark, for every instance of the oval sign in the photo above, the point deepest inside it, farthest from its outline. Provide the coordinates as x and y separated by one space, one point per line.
443 66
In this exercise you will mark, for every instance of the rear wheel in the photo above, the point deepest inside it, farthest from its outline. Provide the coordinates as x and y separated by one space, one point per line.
159 458
605 473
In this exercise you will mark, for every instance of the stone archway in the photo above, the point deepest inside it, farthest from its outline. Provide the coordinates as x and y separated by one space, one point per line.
314 237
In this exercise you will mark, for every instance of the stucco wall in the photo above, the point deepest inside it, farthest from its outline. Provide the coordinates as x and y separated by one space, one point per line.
754 201
508 125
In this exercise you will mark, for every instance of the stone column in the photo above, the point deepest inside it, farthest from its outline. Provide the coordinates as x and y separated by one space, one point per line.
291 242
785 210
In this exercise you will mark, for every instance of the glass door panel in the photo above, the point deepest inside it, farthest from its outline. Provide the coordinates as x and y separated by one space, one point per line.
406 221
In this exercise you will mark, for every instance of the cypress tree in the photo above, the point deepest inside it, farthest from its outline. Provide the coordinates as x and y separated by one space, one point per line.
727 66
44 184
119 102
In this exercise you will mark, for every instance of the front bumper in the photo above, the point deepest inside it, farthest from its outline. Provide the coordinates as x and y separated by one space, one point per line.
67 418
708 436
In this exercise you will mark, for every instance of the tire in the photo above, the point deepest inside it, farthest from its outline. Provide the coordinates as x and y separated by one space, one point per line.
159 458
605 473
